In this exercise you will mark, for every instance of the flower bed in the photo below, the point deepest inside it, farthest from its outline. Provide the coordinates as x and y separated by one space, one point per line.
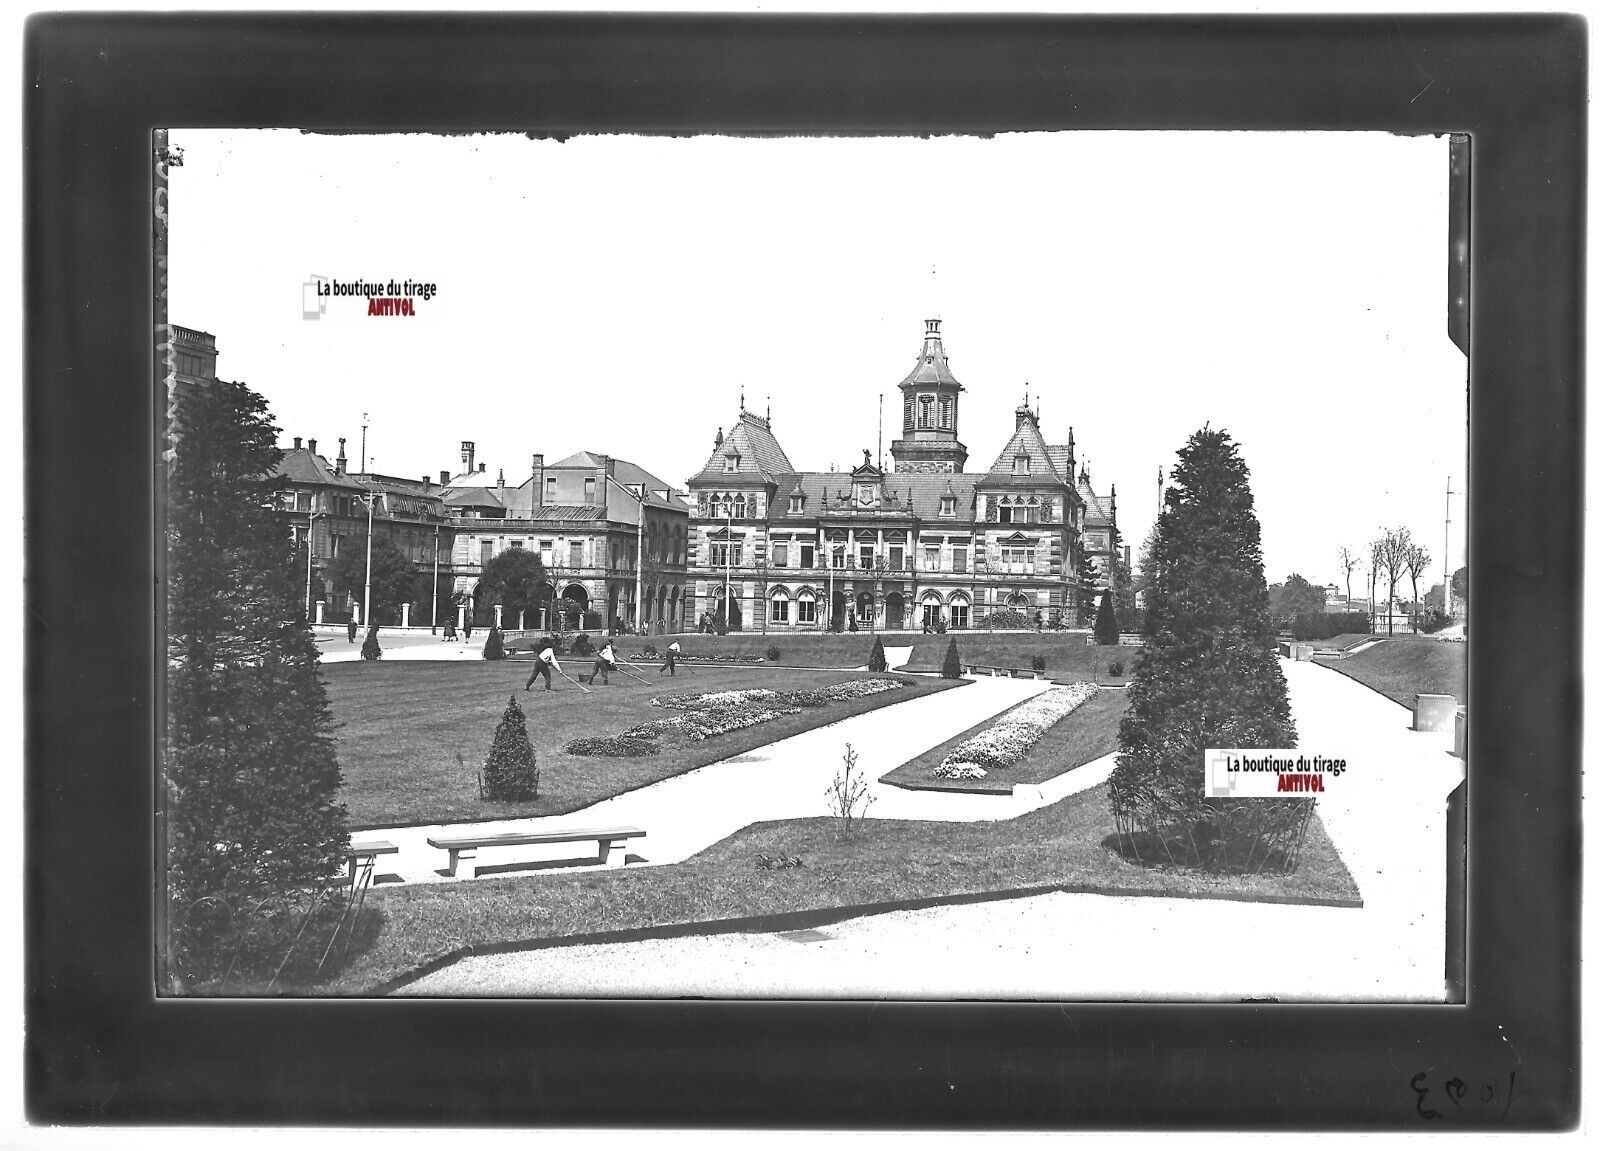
701 715
1005 743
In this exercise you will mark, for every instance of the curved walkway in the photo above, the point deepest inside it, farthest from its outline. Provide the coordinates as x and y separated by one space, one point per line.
783 780
1386 814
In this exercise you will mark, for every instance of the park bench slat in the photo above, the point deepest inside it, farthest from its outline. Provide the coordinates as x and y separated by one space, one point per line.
516 838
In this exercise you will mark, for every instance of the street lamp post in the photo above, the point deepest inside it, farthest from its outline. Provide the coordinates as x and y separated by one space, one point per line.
434 618
311 537
371 500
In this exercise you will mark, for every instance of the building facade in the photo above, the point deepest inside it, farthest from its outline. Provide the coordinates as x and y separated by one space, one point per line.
612 538
776 548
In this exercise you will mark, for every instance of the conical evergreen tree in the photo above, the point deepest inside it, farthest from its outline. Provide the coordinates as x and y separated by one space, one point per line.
371 649
952 662
494 647
1208 675
249 771
1105 624
512 770
877 661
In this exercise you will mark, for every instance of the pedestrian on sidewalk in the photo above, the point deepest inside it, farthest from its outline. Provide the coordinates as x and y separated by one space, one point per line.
351 630
449 630
673 652
466 629
542 666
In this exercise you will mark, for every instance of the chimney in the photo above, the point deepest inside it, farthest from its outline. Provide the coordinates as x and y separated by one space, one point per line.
482 468
536 496
427 482
444 478
469 452
297 443
312 444
340 463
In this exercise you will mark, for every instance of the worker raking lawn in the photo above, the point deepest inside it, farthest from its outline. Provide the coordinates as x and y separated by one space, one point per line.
544 665
604 664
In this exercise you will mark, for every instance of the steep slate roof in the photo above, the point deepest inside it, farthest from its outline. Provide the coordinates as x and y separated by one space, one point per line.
472 498
1026 440
918 493
1096 511
303 466
628 474
932 366
760 455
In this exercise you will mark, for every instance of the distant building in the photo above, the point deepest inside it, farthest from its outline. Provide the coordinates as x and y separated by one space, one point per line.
777 548
582 516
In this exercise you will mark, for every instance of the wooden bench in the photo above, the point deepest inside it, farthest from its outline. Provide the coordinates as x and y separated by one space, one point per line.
613 843
364 854
997 670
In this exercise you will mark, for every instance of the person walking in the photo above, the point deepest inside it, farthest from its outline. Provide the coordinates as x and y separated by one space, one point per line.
604 664
542 667
673 652
351 630
449 630
466 630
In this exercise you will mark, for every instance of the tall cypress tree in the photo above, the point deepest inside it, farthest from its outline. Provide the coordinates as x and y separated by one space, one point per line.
1105 624
1208 675
250 776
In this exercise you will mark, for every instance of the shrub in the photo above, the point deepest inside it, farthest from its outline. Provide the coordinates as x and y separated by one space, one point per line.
1326 625
1208 677
650 651
1105 623
941 625
952 662
494 647
512 770
1037 662
877 661
1009 618
773 654
582 644
1115 668
370 649
1433 620
847 795
853 623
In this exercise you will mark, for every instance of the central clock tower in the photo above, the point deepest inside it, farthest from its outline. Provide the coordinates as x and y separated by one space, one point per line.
932 407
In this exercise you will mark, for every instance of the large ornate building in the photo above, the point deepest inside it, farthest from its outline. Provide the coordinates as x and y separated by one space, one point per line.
907 548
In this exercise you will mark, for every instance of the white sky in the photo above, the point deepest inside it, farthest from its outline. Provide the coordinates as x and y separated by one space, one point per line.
615 293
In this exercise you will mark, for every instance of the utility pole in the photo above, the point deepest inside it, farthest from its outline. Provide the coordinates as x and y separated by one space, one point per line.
1447 571
311 535
366 602
434 620
727 556
363 443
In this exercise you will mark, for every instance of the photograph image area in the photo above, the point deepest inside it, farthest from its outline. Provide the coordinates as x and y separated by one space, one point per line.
1022 567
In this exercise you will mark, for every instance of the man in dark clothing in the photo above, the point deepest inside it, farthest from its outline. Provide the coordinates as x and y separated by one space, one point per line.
466 630
352 629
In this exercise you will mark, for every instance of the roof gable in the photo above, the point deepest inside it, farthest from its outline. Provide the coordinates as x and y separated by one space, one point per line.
754 450
1026 441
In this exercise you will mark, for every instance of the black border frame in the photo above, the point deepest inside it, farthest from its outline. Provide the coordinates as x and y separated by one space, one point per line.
100 1049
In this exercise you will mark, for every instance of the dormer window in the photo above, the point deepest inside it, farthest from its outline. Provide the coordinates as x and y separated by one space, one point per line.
730 462
947 505
1020 466
796 502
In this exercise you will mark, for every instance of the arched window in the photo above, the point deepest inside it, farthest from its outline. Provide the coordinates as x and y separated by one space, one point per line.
960 610
806 607
780 605
738 508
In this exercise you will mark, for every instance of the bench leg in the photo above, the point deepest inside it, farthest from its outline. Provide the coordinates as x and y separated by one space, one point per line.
614 852
457 854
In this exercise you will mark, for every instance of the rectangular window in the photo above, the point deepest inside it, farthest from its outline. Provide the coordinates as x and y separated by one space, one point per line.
575 552
958 560
958 615
546 553
336 542
867 553
780 555
517 544
780 611
808 555
808 611
549 489
838 557
947 505
795 504
930 559
1020 466
730 464
897 556
488 550
1004 515
588 489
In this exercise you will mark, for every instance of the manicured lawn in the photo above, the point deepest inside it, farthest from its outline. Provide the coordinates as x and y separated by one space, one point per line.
803 649
1085 734
402 725
1340 642
1063 845
1405 666
1068 658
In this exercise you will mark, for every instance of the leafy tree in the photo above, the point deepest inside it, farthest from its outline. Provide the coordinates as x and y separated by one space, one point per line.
1088 575
1295 596
1389 553
1105 624
952 662
1122 584
512 579
1458 584
370 648
512 769
249 772
878 660
494 647
1208 675
1145 573
394 578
